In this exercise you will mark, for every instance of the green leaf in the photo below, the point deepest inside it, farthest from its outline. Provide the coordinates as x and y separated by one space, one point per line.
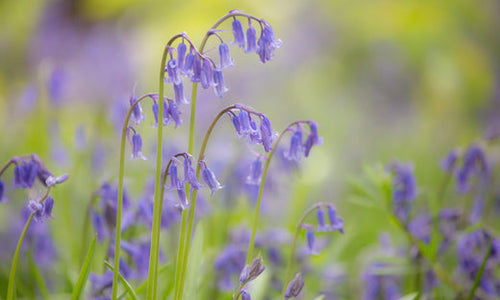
84 272
411 296
124 281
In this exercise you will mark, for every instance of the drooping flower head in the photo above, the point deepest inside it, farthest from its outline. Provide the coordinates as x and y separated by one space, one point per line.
209 178
137 115
474 163
267 43
239 36
404 188
294 287
136 143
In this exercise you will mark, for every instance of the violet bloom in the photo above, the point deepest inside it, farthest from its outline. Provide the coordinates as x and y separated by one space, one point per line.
25 174
294 287
404 189
218 82
229 263
174 112
137 110
136 143
245 296
474 164
251 38
43 210
267 43
207 74
197 69
236 123
175 182
173 72
266 133
310 241
225 57
190 174
155 109
239 36
48 205
320 217
244 120
187 68
296 150
255 176
312 139
181 53
52 180
179 94
449 162
336 222
210 179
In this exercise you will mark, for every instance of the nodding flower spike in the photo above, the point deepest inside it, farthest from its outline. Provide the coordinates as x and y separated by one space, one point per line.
295 151
207 74
190 174
210 179
179 94
137 146
251 38
137 110
173 72
25 174
310 241
239 36
294 287
255 172
225 57
219 85
181 53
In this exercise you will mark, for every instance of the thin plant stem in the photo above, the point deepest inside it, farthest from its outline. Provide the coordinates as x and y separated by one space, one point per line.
477 280
251 244
192 206
4 168
294 243
12 274
121 173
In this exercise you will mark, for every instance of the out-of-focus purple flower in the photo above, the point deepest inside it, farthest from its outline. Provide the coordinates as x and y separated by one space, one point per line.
251 38
51 180
2 190
294 287
267 43
174 112
245 296
310 241
181 193
420 227
320 217
190 174
197 69
266 133
219 85
239 36
336 223
380 285
155 110
228 264
48 205
207 74
36 208
225 57
404 189
98 224
136 143
449 162
255 175
210 179
187 68
474 164
56 84
312 139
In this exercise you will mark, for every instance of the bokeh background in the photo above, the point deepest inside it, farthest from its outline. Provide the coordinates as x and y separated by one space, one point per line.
390 79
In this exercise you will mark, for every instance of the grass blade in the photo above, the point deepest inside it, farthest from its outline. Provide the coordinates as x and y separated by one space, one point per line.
127 285
84 272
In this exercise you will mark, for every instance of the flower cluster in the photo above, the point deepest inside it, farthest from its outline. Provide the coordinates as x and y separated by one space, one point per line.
335 223
298 147
404 188
246 126
247 275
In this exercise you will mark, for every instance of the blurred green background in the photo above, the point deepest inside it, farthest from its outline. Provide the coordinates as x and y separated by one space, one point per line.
399 79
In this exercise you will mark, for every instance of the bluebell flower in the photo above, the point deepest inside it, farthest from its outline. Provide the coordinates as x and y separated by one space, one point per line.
245 296
404 189
187 68
336 222
267 43
251 38
48 205
294 287
25 174
210 179
320 217
207 74
310 241
378 285
52 180
474 164
2 190
98 225
197 69
181 53
225 56
255 176
155 109
174 112
228 264
137 110
136 142
266 133
190 174
36 208
181 193
449 162
239 36
296 150
244 274
179 94
236 123
173 72
218 82
312 139
244 119
175 182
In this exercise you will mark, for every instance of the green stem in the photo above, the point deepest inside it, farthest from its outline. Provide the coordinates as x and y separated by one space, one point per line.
11 161
192 206
12 274
251 244
480 272
294 243
119 208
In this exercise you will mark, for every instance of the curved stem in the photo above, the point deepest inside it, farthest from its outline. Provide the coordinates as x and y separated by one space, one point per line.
12 274
251 244
120 196
4 168
294 243
192 206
